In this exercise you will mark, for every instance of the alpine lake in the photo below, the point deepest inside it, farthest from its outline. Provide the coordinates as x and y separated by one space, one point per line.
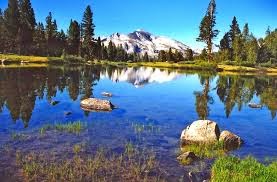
41 119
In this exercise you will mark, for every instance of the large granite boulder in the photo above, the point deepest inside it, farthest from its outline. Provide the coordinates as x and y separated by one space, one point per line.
201 131
230 140
93 104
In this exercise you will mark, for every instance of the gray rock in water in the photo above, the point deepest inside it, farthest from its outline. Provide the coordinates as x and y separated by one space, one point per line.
106 94
255 106
93 104
230 140
201 131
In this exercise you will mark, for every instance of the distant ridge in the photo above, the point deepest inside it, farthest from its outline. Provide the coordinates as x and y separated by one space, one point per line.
141 41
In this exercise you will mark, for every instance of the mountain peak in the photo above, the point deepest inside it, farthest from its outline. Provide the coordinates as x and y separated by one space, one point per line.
141 42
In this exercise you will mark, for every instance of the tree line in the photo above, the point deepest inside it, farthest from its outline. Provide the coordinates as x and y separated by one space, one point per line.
21 34
237 46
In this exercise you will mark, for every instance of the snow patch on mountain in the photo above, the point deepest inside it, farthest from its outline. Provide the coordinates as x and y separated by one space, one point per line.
141 41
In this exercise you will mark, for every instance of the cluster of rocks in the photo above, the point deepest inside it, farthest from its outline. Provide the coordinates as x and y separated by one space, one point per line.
206 131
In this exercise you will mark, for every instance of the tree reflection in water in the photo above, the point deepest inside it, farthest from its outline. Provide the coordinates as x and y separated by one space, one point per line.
20 87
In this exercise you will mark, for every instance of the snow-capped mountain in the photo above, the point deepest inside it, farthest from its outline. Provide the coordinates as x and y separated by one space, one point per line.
140 76
141 41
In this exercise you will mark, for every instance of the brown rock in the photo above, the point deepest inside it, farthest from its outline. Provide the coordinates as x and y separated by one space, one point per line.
231 141
201 131
93 104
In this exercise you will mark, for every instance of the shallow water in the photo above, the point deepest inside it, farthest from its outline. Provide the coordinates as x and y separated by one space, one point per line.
163 102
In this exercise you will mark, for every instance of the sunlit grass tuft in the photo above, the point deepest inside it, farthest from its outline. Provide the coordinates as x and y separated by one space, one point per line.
232 169
71 127
206 150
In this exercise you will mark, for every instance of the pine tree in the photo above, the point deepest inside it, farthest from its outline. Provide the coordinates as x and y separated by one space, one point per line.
189 54
111 51
235 30
74 37
169 55
27 26
98 49
12 23
252 49
225 48
104 52
207 31
87 32
51 33
145 57
162 55
179 56
39 47
245 32
238 55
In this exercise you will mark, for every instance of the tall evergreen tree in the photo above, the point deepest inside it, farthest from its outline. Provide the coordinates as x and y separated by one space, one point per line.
145 57
87 33
51 33
235 30
39 47
207 31
74 38
98 49
27 26
12 23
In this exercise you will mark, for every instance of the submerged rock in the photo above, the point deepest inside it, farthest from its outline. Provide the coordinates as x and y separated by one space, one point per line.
53 103
67 113
255 106
106 94
93 104
187 157
201 131
230 140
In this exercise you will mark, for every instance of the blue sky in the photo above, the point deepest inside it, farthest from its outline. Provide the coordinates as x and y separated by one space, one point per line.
178 19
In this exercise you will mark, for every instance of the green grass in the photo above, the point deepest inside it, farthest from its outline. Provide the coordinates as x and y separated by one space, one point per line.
195 65
206 150
130 165
232 169
28 59
71 127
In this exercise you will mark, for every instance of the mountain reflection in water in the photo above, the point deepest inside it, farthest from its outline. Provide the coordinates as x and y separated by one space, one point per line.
141 76
21 88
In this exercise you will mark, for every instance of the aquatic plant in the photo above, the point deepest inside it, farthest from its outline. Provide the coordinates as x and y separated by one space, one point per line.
232 169
131 165
149 128
71 127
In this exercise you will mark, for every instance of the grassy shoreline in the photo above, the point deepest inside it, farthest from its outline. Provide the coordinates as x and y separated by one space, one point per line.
12 58
202 66
221 68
